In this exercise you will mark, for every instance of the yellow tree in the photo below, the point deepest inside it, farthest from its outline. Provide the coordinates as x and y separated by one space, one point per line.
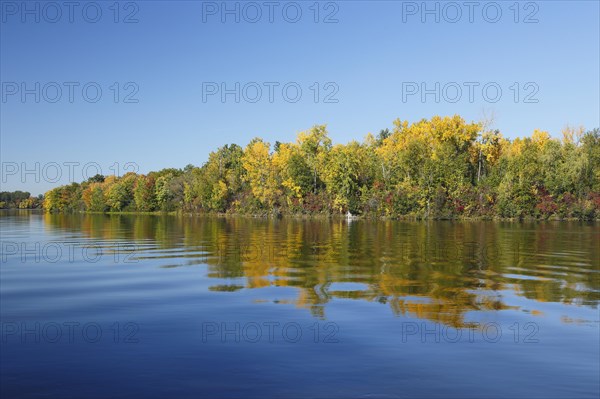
314 145
295 175
540 138
260 172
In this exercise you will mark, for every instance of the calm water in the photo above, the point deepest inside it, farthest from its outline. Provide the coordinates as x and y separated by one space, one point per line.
149 306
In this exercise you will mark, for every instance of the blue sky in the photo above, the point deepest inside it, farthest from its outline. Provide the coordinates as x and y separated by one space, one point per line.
367 60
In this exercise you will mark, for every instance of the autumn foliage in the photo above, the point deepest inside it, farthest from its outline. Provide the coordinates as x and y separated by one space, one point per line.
438 168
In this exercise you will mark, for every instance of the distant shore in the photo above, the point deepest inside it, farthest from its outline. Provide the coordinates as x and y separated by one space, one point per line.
314 216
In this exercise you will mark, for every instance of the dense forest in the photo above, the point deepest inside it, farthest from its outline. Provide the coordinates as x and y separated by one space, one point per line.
438 168
20 200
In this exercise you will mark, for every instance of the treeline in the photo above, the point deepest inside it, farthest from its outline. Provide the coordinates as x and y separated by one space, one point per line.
438 168
20 200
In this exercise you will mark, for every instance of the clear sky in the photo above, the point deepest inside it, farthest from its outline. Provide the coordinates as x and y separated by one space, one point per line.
370 62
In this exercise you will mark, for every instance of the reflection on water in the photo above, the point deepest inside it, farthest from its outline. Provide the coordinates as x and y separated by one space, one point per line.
372 299
437 270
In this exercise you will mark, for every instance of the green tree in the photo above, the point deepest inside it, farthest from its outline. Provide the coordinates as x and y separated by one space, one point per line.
144 194
314 145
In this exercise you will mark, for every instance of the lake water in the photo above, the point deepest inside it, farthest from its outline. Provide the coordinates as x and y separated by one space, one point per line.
165 306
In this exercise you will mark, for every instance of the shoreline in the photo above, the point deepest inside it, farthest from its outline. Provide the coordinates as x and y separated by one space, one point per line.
319 216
